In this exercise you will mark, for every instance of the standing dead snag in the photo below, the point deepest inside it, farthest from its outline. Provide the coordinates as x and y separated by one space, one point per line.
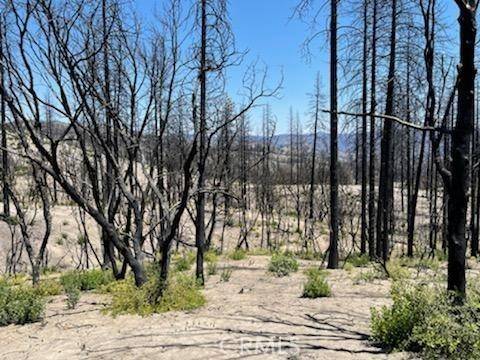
200 202
459 173
363 234
3 123
385 189
371 150
334 211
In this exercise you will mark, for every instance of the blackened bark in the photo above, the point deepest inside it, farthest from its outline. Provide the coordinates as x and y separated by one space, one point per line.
200 204
372 157
384 215
458 190
5 190
363 231
334 211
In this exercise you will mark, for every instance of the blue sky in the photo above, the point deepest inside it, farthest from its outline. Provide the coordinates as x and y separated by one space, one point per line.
264 28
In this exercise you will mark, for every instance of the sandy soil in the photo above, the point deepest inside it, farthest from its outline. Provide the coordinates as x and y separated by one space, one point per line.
254 315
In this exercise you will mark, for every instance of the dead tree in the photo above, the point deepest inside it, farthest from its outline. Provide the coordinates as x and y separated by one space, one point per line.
334 207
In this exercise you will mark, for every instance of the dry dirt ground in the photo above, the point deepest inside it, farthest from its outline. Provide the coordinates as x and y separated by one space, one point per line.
254 315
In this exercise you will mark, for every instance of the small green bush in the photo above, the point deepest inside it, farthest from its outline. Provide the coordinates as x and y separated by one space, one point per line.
183 264
396 271
48 287
238 254
49 270
226 275
309 255
316 285
369 276
430 264
212 268
73 295
20 305
86 279
449 334
182 293
260 252
423 318
184 261
211 256
282 264
347 267
420 263
393 326
358 260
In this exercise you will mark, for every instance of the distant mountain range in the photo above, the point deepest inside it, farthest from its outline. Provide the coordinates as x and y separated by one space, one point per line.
346 142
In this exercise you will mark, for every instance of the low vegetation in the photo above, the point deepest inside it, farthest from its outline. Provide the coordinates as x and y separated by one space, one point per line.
358 260
238 254
20 304
49 287
86 280
182 293
316 285
226 274
73 295
184 262
423 318
282 264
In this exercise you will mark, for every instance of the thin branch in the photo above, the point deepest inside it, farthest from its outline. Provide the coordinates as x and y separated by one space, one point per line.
393 118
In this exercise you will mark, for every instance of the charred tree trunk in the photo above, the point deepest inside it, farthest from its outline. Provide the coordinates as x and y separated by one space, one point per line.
363 234
200 204
384 215
372 157
334 210
458 189
3 119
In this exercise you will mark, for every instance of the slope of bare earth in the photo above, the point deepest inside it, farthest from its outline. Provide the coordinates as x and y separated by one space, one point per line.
254 315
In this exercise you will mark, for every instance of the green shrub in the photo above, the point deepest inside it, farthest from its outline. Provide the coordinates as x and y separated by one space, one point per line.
183 264
396 271
212 268
226 275
260 252
358 260
48 287
238 254
393 326
184 261
211 256
309 255
73 295
424 319
449 333
86 279
15 280
420 263
282 264
49 270
369 276
441 255
20 304
347 267
181 293
430 264
316 285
